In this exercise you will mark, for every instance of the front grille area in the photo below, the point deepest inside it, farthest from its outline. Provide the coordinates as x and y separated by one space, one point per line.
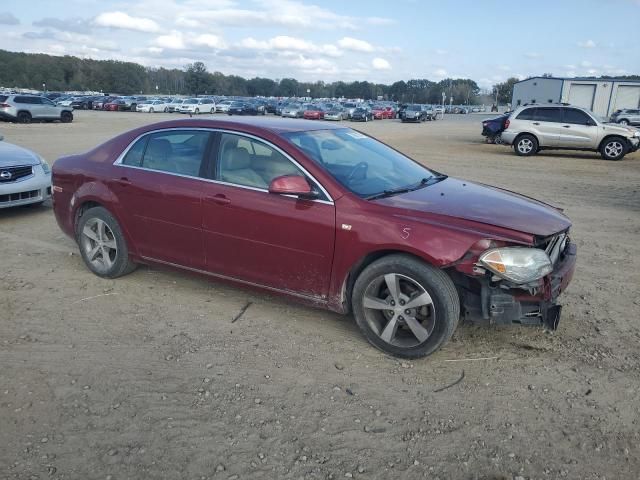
14 197
12 174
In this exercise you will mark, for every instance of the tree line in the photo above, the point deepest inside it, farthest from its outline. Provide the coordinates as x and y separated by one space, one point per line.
67 73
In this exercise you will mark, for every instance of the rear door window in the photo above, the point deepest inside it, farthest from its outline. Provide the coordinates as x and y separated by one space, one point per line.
176 151
548 115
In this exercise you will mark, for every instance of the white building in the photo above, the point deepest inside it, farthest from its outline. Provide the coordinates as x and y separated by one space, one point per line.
601 95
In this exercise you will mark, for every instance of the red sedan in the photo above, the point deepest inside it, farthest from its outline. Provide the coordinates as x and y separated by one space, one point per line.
314 114
381 113
326 216
114 106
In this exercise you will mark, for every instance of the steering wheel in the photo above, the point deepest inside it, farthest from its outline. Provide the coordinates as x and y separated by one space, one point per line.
361 167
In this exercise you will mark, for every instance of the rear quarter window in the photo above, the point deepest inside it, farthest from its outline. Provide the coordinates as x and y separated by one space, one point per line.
527 114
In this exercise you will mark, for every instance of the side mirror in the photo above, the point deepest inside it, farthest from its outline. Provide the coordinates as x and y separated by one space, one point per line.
292 185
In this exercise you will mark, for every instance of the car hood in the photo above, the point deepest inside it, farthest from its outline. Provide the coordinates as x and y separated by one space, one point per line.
11 154
483 204
619 129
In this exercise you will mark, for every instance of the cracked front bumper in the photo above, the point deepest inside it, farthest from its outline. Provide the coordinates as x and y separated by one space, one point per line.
501 305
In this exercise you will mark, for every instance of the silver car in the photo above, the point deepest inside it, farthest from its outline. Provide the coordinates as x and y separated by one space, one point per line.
626 116
532 128
25 178
293 110
25 108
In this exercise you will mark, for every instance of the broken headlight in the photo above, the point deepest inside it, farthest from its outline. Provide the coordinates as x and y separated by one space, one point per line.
517 264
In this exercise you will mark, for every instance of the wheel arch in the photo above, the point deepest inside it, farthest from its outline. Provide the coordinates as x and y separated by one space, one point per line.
611 136
358 267
100 196
521 134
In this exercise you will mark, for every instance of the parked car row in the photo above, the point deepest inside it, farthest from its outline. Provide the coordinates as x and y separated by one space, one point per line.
532 128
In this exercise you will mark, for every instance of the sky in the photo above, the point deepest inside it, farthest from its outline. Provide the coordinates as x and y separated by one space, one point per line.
379 41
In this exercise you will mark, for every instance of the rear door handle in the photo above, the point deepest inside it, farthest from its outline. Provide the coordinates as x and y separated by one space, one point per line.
536 123
566 126
220 199
124 181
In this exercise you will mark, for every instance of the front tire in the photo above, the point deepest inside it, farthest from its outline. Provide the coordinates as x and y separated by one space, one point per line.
526 145
614 148
197 111
102 244
66 117
405 307
151 110
624 122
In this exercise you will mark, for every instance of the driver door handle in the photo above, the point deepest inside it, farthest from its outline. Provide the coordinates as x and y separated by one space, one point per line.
536 123
566 126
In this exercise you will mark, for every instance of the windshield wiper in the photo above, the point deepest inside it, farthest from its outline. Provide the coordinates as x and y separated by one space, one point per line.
422 183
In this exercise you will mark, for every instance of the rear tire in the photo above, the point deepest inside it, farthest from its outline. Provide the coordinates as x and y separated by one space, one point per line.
525 145
624 122
417 318
24 117
102 244
614 148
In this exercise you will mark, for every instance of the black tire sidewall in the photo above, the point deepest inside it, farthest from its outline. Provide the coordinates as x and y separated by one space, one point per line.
434 281
24 117
122 265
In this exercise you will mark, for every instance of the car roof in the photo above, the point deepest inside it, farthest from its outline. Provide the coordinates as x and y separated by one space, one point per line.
274 125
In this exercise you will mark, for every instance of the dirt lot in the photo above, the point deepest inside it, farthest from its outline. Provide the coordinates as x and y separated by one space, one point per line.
146 376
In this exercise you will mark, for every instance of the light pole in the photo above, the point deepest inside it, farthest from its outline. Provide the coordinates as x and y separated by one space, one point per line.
44 87
444 96
450 104
308 91
156 89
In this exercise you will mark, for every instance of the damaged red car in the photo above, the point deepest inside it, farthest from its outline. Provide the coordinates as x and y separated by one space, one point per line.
321 214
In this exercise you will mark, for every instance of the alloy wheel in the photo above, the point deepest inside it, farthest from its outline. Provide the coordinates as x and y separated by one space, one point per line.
99 244
525 146
613 149
399 310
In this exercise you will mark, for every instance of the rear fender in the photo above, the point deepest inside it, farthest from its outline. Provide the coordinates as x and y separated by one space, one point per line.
97 192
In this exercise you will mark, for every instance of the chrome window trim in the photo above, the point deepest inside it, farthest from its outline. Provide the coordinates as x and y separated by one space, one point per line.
118 161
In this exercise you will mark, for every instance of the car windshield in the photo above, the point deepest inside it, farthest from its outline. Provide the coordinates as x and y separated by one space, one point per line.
349 105
360 163
415 108
237 104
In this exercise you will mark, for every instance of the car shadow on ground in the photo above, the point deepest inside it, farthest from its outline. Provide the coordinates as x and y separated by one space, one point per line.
25 210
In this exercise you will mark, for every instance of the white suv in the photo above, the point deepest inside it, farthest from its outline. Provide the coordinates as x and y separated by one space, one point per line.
532 128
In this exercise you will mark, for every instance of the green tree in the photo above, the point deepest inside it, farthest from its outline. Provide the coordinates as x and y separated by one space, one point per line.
504 90
197 78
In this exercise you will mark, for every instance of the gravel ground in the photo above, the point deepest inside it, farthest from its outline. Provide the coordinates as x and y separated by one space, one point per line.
146 376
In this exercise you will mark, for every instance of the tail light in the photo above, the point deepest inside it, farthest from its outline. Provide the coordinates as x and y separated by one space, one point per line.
506 123
5 105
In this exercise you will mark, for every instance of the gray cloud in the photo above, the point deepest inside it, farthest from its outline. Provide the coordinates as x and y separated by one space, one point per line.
77 25
8 18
